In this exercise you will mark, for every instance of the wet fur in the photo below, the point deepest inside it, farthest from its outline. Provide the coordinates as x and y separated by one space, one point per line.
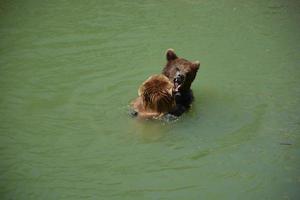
155 97
184 96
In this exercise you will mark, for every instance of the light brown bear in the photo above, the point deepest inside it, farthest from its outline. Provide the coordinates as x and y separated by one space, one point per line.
155 98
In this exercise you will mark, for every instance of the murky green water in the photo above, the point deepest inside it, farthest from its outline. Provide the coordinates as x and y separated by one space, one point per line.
68 70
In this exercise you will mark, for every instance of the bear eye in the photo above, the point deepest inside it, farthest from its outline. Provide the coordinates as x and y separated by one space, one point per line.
177 69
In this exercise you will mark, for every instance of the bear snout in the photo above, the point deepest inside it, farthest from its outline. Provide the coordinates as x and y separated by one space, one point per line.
179 78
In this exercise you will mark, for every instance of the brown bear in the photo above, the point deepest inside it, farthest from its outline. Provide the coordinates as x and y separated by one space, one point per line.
155 98
182 73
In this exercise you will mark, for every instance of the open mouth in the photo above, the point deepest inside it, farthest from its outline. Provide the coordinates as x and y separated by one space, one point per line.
177 84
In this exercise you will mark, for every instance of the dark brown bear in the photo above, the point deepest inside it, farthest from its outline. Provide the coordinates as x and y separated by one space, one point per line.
182 73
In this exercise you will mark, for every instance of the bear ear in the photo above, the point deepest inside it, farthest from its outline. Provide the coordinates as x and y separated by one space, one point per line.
196 64
171 55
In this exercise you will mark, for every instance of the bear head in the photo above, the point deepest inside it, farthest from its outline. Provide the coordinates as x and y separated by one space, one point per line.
156 94
180 71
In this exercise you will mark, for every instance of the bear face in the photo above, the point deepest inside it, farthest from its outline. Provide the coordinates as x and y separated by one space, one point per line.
180 71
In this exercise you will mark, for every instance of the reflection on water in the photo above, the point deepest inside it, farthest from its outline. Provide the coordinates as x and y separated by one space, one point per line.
68 71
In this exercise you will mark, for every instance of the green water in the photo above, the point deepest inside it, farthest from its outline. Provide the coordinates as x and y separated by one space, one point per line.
68 70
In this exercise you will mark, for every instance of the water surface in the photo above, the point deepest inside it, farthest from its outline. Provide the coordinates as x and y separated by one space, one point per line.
68 70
